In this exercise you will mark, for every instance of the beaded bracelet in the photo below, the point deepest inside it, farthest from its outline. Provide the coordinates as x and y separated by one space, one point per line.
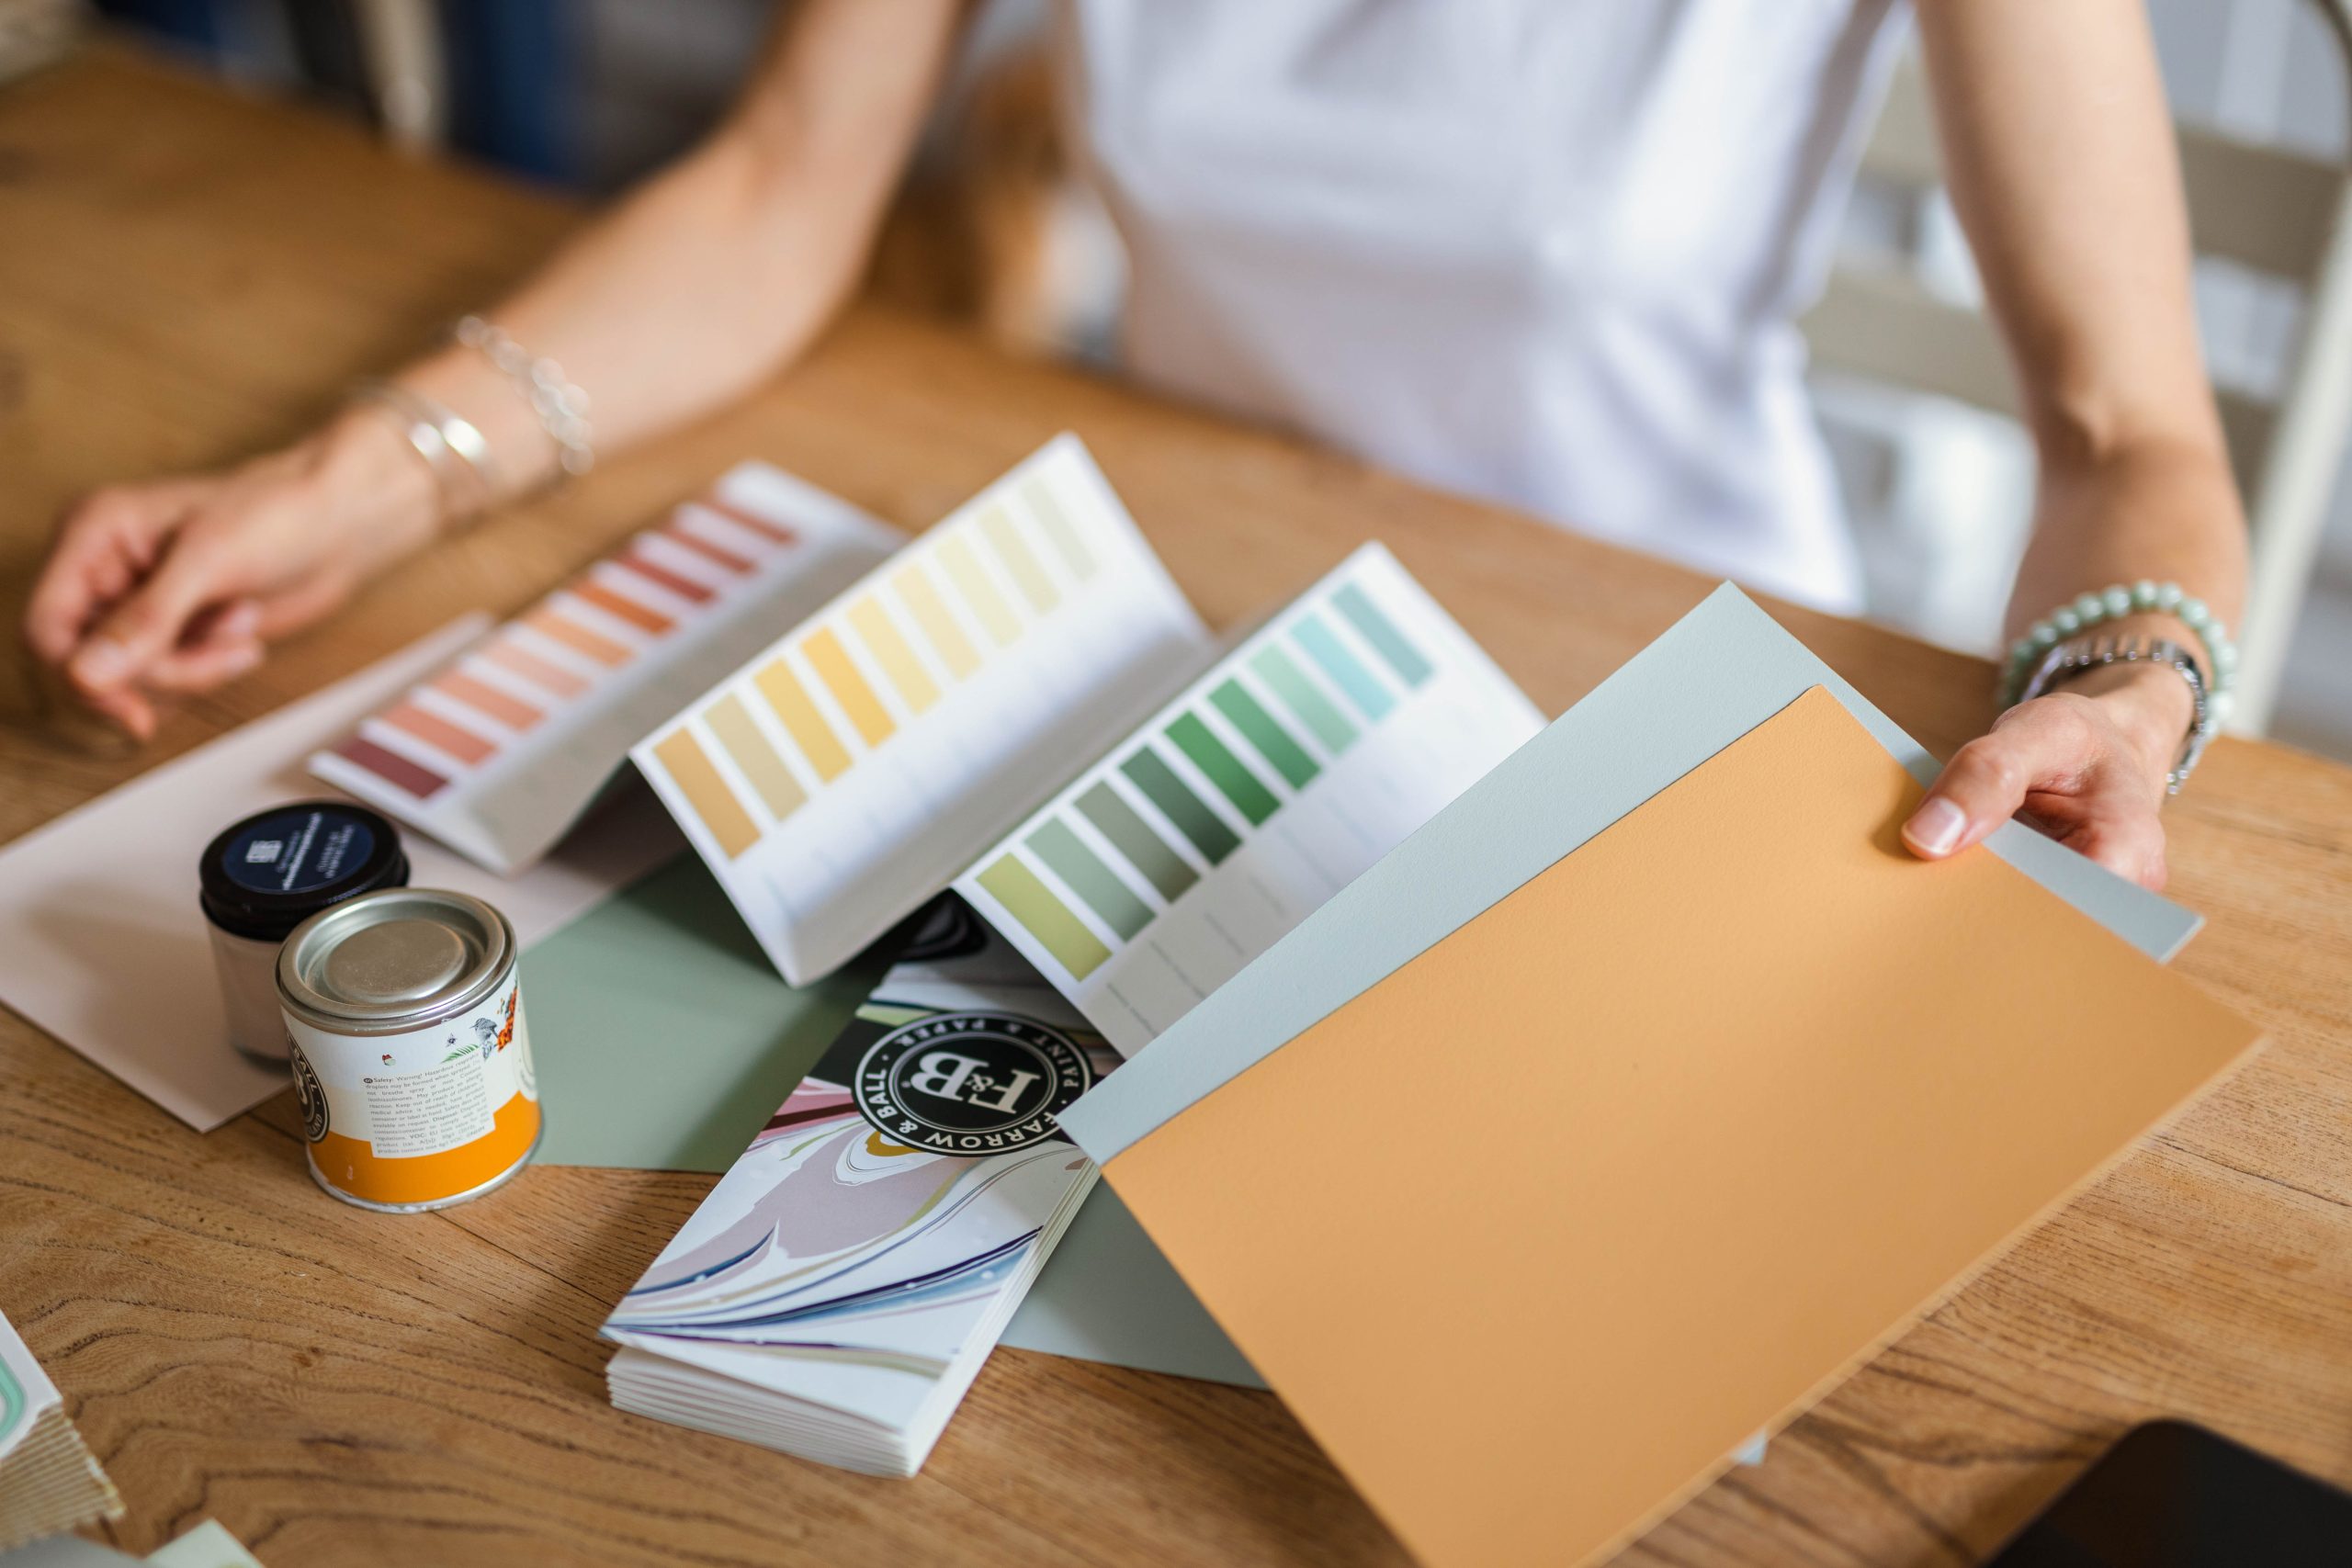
561 406
2140 598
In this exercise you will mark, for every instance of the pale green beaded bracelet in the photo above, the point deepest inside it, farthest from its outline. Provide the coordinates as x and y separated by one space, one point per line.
2140 598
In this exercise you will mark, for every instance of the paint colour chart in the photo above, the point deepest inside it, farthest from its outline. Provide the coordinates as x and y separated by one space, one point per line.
851 769
1299 759
499 752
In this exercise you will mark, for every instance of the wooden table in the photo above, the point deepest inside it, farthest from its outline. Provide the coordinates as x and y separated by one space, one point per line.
187 276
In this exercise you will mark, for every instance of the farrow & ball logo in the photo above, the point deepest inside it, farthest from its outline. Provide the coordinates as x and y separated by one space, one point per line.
969 1083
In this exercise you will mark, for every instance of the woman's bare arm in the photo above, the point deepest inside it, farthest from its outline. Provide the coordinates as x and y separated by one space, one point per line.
2059 153
702 283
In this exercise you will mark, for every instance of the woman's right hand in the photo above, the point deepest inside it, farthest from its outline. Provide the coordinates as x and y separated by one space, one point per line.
177 585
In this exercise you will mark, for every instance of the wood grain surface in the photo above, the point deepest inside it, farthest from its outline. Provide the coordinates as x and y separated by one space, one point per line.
187 276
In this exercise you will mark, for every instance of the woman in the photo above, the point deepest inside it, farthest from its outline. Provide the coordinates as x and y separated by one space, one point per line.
1548 251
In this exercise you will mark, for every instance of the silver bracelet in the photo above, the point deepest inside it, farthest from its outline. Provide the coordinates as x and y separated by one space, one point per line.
463 476
561 406
2068 658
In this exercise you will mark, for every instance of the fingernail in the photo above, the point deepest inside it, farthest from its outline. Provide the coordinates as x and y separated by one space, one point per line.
1935 828
102 663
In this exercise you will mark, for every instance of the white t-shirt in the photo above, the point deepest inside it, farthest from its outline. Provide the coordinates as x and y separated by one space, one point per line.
1547 251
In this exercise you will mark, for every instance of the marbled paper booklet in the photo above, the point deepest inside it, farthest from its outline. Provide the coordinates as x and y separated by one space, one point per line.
842 1285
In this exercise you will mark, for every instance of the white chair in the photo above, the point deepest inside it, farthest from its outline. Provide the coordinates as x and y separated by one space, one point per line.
2274 212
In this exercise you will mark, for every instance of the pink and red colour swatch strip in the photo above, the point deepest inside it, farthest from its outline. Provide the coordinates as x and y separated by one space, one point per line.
736 549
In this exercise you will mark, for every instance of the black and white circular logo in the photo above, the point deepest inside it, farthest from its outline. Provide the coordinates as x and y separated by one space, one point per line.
308 1093
969 1083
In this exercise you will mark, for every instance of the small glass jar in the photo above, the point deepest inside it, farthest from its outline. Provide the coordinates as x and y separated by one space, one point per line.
266 874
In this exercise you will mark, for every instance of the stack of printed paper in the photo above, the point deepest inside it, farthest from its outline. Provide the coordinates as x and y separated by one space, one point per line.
49 1481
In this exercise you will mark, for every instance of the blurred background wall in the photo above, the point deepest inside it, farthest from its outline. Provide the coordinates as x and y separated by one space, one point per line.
588 95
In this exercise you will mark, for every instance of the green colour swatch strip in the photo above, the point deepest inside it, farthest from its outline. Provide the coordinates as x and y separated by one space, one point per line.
1150 773
1233 780
1030 901
1259 729
1067 856
1133 838
1323 646
1381 632
1303 698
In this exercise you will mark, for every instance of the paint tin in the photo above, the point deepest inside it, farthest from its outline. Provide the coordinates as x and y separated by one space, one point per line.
261 878
411 1057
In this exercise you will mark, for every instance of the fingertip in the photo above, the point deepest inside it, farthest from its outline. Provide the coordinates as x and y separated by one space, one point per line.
103 664
54 619
239 622
202 669
126 709
1938 829
49 640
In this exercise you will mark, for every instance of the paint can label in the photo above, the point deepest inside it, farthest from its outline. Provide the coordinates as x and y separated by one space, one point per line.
422 1117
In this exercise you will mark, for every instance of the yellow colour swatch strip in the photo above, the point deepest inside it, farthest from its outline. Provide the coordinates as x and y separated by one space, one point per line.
1048 508
807 726
920 596
732 723
892 651
971 581
697 776
825 654
1013 550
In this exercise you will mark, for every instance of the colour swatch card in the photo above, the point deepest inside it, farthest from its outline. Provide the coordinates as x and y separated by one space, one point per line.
1272 782
49 1481
1753 1089
842 1285
852 768
499 752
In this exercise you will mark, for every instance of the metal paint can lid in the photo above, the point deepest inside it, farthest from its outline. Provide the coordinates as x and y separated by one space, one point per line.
388 961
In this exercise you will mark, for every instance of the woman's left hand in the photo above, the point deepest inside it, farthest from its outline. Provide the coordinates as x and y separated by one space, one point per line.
2084 764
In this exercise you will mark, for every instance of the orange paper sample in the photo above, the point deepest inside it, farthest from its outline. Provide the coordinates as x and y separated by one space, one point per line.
1533 1235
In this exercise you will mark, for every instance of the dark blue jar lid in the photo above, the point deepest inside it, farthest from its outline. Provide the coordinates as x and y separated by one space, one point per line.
266 874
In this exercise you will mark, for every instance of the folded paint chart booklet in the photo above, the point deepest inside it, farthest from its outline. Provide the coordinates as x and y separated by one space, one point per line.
50 1483
1267 785
498 753
852 768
